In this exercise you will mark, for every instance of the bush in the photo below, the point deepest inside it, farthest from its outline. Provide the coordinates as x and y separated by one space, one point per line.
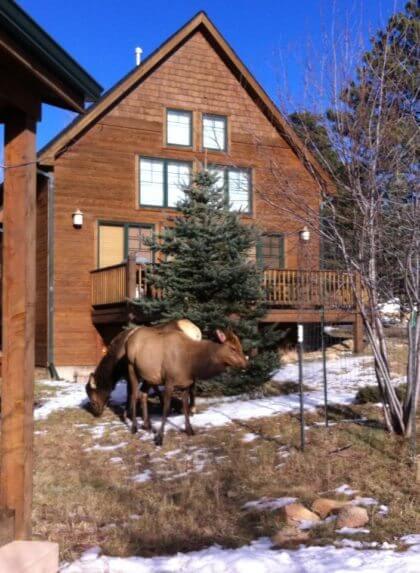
371 394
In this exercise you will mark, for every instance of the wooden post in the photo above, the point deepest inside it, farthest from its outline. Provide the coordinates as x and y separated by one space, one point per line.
358 327
18 320
131 277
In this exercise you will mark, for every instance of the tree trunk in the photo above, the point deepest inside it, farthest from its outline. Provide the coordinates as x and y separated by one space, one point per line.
413 374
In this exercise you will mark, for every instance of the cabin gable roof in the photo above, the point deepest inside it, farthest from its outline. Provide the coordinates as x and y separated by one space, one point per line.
120 90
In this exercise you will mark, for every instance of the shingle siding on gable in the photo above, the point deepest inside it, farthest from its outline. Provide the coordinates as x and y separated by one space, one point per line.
98 174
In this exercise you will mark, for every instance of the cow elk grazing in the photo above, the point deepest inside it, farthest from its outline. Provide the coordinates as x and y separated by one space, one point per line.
113 365
174 360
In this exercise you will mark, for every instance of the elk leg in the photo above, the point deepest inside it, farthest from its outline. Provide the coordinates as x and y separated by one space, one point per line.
192 399
133 397
167 395
186 395
144 392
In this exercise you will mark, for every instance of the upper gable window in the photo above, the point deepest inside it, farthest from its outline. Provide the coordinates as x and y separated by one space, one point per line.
214 132
179 127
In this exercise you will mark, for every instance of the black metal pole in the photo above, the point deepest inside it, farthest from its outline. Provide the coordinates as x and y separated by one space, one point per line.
324 365
300 361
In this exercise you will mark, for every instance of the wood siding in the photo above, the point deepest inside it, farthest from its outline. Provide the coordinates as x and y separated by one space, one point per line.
99 175
41 316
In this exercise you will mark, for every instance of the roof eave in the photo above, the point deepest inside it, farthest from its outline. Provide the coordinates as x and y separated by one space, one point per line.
22 27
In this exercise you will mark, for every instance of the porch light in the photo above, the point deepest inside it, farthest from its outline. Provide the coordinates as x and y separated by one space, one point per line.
305 234
77 219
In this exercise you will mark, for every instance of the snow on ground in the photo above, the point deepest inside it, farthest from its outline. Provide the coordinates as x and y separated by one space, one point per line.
270 503
352 530
346 490
69 395
347 373
258 557
249 437
345 376
413 539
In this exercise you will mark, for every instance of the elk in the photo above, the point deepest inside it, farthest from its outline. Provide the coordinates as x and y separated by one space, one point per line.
113 365
174 360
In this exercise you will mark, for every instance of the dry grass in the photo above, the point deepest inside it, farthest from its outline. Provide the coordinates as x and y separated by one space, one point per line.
83 499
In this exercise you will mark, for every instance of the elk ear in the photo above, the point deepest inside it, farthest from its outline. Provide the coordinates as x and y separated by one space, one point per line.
221 336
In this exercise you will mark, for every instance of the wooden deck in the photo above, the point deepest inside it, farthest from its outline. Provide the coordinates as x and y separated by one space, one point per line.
292 295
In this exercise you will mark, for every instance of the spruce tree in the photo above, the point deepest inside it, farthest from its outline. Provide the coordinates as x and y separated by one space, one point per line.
206 274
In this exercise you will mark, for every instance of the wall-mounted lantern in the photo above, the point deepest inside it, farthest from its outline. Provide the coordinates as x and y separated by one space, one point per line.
305 234
77 219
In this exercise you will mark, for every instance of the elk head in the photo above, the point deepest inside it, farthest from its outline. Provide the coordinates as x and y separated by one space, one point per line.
96 397
233 355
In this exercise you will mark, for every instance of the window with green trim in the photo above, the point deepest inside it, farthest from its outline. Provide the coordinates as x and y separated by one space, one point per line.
270 252
237 185
179 127
214 132
117 241
162 181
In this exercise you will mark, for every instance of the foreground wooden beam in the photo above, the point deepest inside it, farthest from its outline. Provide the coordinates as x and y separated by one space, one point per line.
18 320
29 557
7 526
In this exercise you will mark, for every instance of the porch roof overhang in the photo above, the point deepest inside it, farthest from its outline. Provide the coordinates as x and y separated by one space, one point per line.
37 70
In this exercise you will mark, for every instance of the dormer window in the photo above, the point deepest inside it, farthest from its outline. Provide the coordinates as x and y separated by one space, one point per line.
179 127
214 132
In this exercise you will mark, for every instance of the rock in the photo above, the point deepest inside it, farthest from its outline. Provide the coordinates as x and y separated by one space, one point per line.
324 507
289 534
352 516
296 513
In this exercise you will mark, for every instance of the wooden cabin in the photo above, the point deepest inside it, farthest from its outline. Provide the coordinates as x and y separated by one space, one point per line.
115 174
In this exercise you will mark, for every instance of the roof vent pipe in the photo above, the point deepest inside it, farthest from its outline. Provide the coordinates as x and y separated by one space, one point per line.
138 51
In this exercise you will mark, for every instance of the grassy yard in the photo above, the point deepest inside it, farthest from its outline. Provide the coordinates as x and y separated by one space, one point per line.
96 484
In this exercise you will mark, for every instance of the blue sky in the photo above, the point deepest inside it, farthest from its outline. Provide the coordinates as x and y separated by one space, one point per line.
102 34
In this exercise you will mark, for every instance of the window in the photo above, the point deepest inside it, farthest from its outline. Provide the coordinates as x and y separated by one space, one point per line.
117 241
270 252
178 177
214 132
162 181
237 186
179 127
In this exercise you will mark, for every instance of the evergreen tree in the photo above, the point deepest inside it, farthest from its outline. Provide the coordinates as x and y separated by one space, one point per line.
206 275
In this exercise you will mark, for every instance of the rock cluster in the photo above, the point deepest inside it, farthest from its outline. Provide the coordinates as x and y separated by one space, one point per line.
298 519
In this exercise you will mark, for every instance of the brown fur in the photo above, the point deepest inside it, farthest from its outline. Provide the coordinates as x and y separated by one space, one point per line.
174 360
113 365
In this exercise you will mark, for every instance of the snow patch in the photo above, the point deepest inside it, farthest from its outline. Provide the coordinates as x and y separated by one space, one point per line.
268 503
346 490
142 477
413 539
258 557
352 530
100 448
249 437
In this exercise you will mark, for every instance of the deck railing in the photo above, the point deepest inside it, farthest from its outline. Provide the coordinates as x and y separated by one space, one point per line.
118 283
308 289
284 288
